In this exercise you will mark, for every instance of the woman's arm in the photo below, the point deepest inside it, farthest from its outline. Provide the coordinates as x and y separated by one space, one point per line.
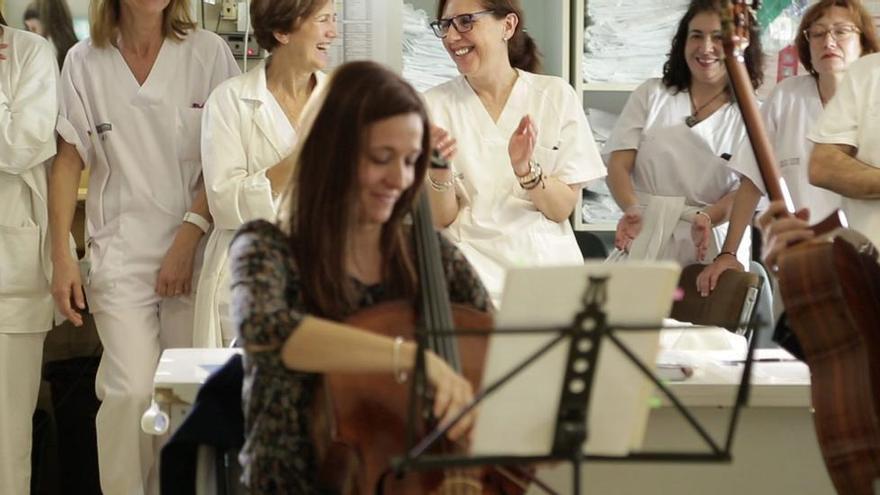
441 181
27 121
64 180
744 204
552 197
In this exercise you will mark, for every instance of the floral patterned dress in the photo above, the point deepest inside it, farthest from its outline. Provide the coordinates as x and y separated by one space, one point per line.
267 305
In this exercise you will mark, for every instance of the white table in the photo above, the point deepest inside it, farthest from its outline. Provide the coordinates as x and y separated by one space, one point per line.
775 450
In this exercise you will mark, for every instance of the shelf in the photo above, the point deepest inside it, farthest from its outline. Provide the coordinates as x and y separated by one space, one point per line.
610 87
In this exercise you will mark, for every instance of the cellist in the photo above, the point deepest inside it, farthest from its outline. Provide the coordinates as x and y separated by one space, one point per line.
341 245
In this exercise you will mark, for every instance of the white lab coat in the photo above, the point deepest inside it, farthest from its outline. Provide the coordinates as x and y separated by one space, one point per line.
244 132
28 109
498 227
675 160
852 117
789 113
142 146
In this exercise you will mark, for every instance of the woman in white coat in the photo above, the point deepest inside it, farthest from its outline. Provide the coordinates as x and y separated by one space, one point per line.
524 147
250 126
832 34
131 109
28 109
668 151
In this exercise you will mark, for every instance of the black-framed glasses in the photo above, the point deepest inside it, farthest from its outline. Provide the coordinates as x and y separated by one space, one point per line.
838 32
462 23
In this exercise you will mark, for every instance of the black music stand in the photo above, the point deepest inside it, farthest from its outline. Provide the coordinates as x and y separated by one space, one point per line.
589 324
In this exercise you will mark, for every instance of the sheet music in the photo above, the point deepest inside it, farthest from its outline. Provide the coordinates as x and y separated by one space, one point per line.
519 419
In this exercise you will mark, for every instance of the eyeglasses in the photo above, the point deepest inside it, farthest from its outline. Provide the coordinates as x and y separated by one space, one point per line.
462 23
838 32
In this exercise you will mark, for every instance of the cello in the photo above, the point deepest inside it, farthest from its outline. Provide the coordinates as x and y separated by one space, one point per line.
359 421
831 289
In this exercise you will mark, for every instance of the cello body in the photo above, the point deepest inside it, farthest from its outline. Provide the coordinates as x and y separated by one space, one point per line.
369 412
831 290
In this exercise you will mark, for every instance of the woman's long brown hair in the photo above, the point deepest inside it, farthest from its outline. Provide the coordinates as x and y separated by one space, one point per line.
323 207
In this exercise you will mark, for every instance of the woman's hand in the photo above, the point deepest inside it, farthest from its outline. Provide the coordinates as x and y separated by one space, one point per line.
701 229
67 290
780 231
451 393
444 143
628 228
522 146
176 271
707 280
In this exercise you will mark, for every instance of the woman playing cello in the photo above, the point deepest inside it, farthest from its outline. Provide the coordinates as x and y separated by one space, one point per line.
341 246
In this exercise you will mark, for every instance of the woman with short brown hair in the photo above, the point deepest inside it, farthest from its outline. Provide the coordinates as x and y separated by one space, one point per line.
251 126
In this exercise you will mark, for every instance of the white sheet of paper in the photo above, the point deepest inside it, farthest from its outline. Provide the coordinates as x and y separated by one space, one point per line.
519 418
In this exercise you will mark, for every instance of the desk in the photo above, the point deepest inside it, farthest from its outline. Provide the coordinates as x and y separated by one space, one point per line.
775 451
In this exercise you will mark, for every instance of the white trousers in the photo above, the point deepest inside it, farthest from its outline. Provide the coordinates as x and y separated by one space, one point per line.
21 363
133 340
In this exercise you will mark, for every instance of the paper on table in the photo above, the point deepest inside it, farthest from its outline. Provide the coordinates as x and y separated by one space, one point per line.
519 418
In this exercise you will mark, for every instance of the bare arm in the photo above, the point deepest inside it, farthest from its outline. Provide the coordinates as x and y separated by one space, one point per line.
744 203
834 167
63 184
620 168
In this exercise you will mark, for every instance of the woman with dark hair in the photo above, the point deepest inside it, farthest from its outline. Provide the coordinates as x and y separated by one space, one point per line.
251 125
668 152
31 20
57 25
832 34
28 107
131 110
524 147
341 246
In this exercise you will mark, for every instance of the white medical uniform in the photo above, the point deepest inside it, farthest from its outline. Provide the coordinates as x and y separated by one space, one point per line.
852 117
244 132
498 226
674 160
142 146
28 109
789 114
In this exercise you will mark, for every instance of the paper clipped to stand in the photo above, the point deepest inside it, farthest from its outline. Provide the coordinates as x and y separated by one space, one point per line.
519 418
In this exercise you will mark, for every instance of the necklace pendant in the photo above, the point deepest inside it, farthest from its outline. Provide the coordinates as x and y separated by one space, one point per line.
690 121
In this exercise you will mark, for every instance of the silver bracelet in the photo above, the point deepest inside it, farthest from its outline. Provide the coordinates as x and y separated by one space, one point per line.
400 375
531 179
441 186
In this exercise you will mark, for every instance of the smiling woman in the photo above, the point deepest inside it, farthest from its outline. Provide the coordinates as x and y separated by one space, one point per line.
251 127
668 152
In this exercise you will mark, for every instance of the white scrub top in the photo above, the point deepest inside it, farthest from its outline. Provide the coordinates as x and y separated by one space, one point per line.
28 109
142 144
789 114
852 117
675 160
244 132
498 226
